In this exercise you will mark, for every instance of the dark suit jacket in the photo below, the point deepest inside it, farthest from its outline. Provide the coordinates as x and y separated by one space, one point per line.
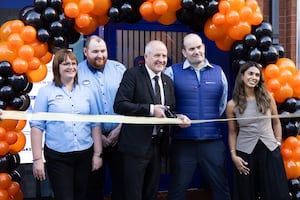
133 98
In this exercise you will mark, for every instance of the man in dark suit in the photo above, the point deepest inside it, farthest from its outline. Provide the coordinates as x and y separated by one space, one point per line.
140 144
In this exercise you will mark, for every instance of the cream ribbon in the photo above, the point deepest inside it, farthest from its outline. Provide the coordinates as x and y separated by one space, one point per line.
24 115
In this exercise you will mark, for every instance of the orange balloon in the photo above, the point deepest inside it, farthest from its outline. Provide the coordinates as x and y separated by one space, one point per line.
20 125
11 137
292 169
239 31
283 93
16 26
232 17
256 18
296 154
91 28
5 30
40 49
14 188
252 4
86 6
6 53
28 34
5 180
218 19
15 41
19 144
285 76
224 7
3 133
273 84
4 194
19 66
35 76
160 7
71 10
65 2
173 5
286 63
286 153
168 18
46 58
4 148
34 63
245 13
8 124
225 43
82 20
212 31
100 20
146 9
19 195
236 4
101 7
26 52
271 71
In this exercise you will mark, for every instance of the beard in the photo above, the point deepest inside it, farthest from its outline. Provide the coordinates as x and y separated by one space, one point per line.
98 63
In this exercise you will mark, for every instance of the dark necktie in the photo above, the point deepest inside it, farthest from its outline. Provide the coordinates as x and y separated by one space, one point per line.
157 91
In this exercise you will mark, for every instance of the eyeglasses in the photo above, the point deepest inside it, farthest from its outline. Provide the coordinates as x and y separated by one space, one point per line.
69 63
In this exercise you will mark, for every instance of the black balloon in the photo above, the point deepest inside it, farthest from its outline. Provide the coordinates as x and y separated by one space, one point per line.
238 51
117 3
126 9
280 49
134 17
24 11
15 176
212 8
289 105
15 162
3 104
290 129
188 4
18 82
294 185
16 103
114 14
34 19
25 102
72 36
5 69
56 28
264 43
28 87
4 163
43 35
185 16
199 9
50 14
254 55
40 5
68 23
270 56
250 41
7 93
263 29
56 4
2 80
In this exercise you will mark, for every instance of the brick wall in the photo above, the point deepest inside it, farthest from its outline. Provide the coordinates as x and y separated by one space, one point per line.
287 24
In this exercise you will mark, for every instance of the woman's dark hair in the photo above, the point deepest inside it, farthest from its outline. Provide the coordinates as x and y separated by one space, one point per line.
59 57
263 98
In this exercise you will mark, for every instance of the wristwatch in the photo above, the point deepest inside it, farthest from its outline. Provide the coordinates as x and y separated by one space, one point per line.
98 154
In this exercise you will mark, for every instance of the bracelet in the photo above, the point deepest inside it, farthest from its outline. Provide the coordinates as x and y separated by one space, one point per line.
36 159
232 150
278 143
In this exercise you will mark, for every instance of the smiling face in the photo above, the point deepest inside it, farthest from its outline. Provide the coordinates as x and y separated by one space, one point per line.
156 56
96 53
67 69
251 77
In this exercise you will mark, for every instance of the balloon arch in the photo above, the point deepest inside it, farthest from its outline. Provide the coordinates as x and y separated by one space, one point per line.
27 44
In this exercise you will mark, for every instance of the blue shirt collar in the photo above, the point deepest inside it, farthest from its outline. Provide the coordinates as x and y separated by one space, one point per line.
187 64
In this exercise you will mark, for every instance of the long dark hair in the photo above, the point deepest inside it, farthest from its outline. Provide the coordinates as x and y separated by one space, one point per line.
59 57
263 98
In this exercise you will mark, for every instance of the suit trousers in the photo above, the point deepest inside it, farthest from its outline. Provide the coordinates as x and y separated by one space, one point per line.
142 174
68 173
209 156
